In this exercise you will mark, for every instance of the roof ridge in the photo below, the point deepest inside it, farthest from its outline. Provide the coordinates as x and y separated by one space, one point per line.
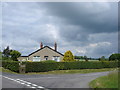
43 48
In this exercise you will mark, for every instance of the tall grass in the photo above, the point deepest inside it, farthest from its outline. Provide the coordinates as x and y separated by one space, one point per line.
109 81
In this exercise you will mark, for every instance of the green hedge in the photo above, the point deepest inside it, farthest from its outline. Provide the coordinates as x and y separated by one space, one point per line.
43 67
11 65
49 66
40 66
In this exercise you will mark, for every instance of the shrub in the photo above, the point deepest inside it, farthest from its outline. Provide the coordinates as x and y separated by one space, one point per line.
102 58
49 61
40 66
68 56
11 65
115 56
45 66
15 54
6 58
49 66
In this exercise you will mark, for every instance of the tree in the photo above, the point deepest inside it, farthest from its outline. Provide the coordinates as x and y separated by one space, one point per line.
115 56
15 54
78 57
85 57
102 58
68 56
6 52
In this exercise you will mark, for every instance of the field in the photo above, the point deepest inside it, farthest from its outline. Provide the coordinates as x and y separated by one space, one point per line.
84 60
109 81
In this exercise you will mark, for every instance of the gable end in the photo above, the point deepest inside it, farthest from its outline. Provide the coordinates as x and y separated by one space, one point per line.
47 47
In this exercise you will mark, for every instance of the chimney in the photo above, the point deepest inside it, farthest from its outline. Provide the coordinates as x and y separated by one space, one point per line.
55 46
41 45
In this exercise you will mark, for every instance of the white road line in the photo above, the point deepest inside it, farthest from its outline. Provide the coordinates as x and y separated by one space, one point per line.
17 81
24 82
34 85
39 87
28 85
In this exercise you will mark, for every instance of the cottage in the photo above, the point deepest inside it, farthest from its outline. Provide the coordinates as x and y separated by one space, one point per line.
44 53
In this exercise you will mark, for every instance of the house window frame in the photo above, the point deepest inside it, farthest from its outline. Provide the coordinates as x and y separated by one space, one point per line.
56 58
46 57
37 58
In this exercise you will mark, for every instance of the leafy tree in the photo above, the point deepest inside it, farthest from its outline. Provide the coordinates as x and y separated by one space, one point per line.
6 52
68 56
85 57
102 58
90 58
15 54
115 56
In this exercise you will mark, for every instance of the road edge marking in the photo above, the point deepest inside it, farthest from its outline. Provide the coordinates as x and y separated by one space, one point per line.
23 82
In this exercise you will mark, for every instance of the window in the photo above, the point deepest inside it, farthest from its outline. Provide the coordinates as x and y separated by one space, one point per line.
46 57
36 58
56 58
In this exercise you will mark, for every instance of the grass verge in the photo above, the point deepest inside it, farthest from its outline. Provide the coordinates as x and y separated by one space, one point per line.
74 71
6 70
109 81
65 71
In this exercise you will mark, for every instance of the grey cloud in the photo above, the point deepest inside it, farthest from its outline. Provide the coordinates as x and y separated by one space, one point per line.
104 50
100 18
95 18
76 25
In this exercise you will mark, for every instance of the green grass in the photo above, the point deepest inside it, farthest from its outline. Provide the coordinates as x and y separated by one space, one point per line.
74 71
6 70
109 81
65 71
84 60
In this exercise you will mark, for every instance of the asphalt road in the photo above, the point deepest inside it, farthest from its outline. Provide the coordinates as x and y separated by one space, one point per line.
49 81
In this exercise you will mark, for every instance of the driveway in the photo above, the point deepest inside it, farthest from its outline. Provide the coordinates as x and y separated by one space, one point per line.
49 81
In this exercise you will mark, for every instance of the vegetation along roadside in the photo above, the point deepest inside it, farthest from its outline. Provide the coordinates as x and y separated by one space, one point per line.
109 81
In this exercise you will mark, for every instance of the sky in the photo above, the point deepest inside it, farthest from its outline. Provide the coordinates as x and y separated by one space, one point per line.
85 28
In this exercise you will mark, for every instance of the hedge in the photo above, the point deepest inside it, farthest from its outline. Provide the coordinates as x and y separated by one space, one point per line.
40 66
43 67
11 65
49 66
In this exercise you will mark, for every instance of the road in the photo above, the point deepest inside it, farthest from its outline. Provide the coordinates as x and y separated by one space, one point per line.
49 81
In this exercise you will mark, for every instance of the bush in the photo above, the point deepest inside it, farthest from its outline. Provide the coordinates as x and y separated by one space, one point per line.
6 58
102 58
115 56
49 66
40 66
44 66
15 54
49 61
11 65
68 57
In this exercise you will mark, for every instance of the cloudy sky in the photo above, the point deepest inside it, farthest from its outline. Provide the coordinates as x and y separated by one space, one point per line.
85 28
